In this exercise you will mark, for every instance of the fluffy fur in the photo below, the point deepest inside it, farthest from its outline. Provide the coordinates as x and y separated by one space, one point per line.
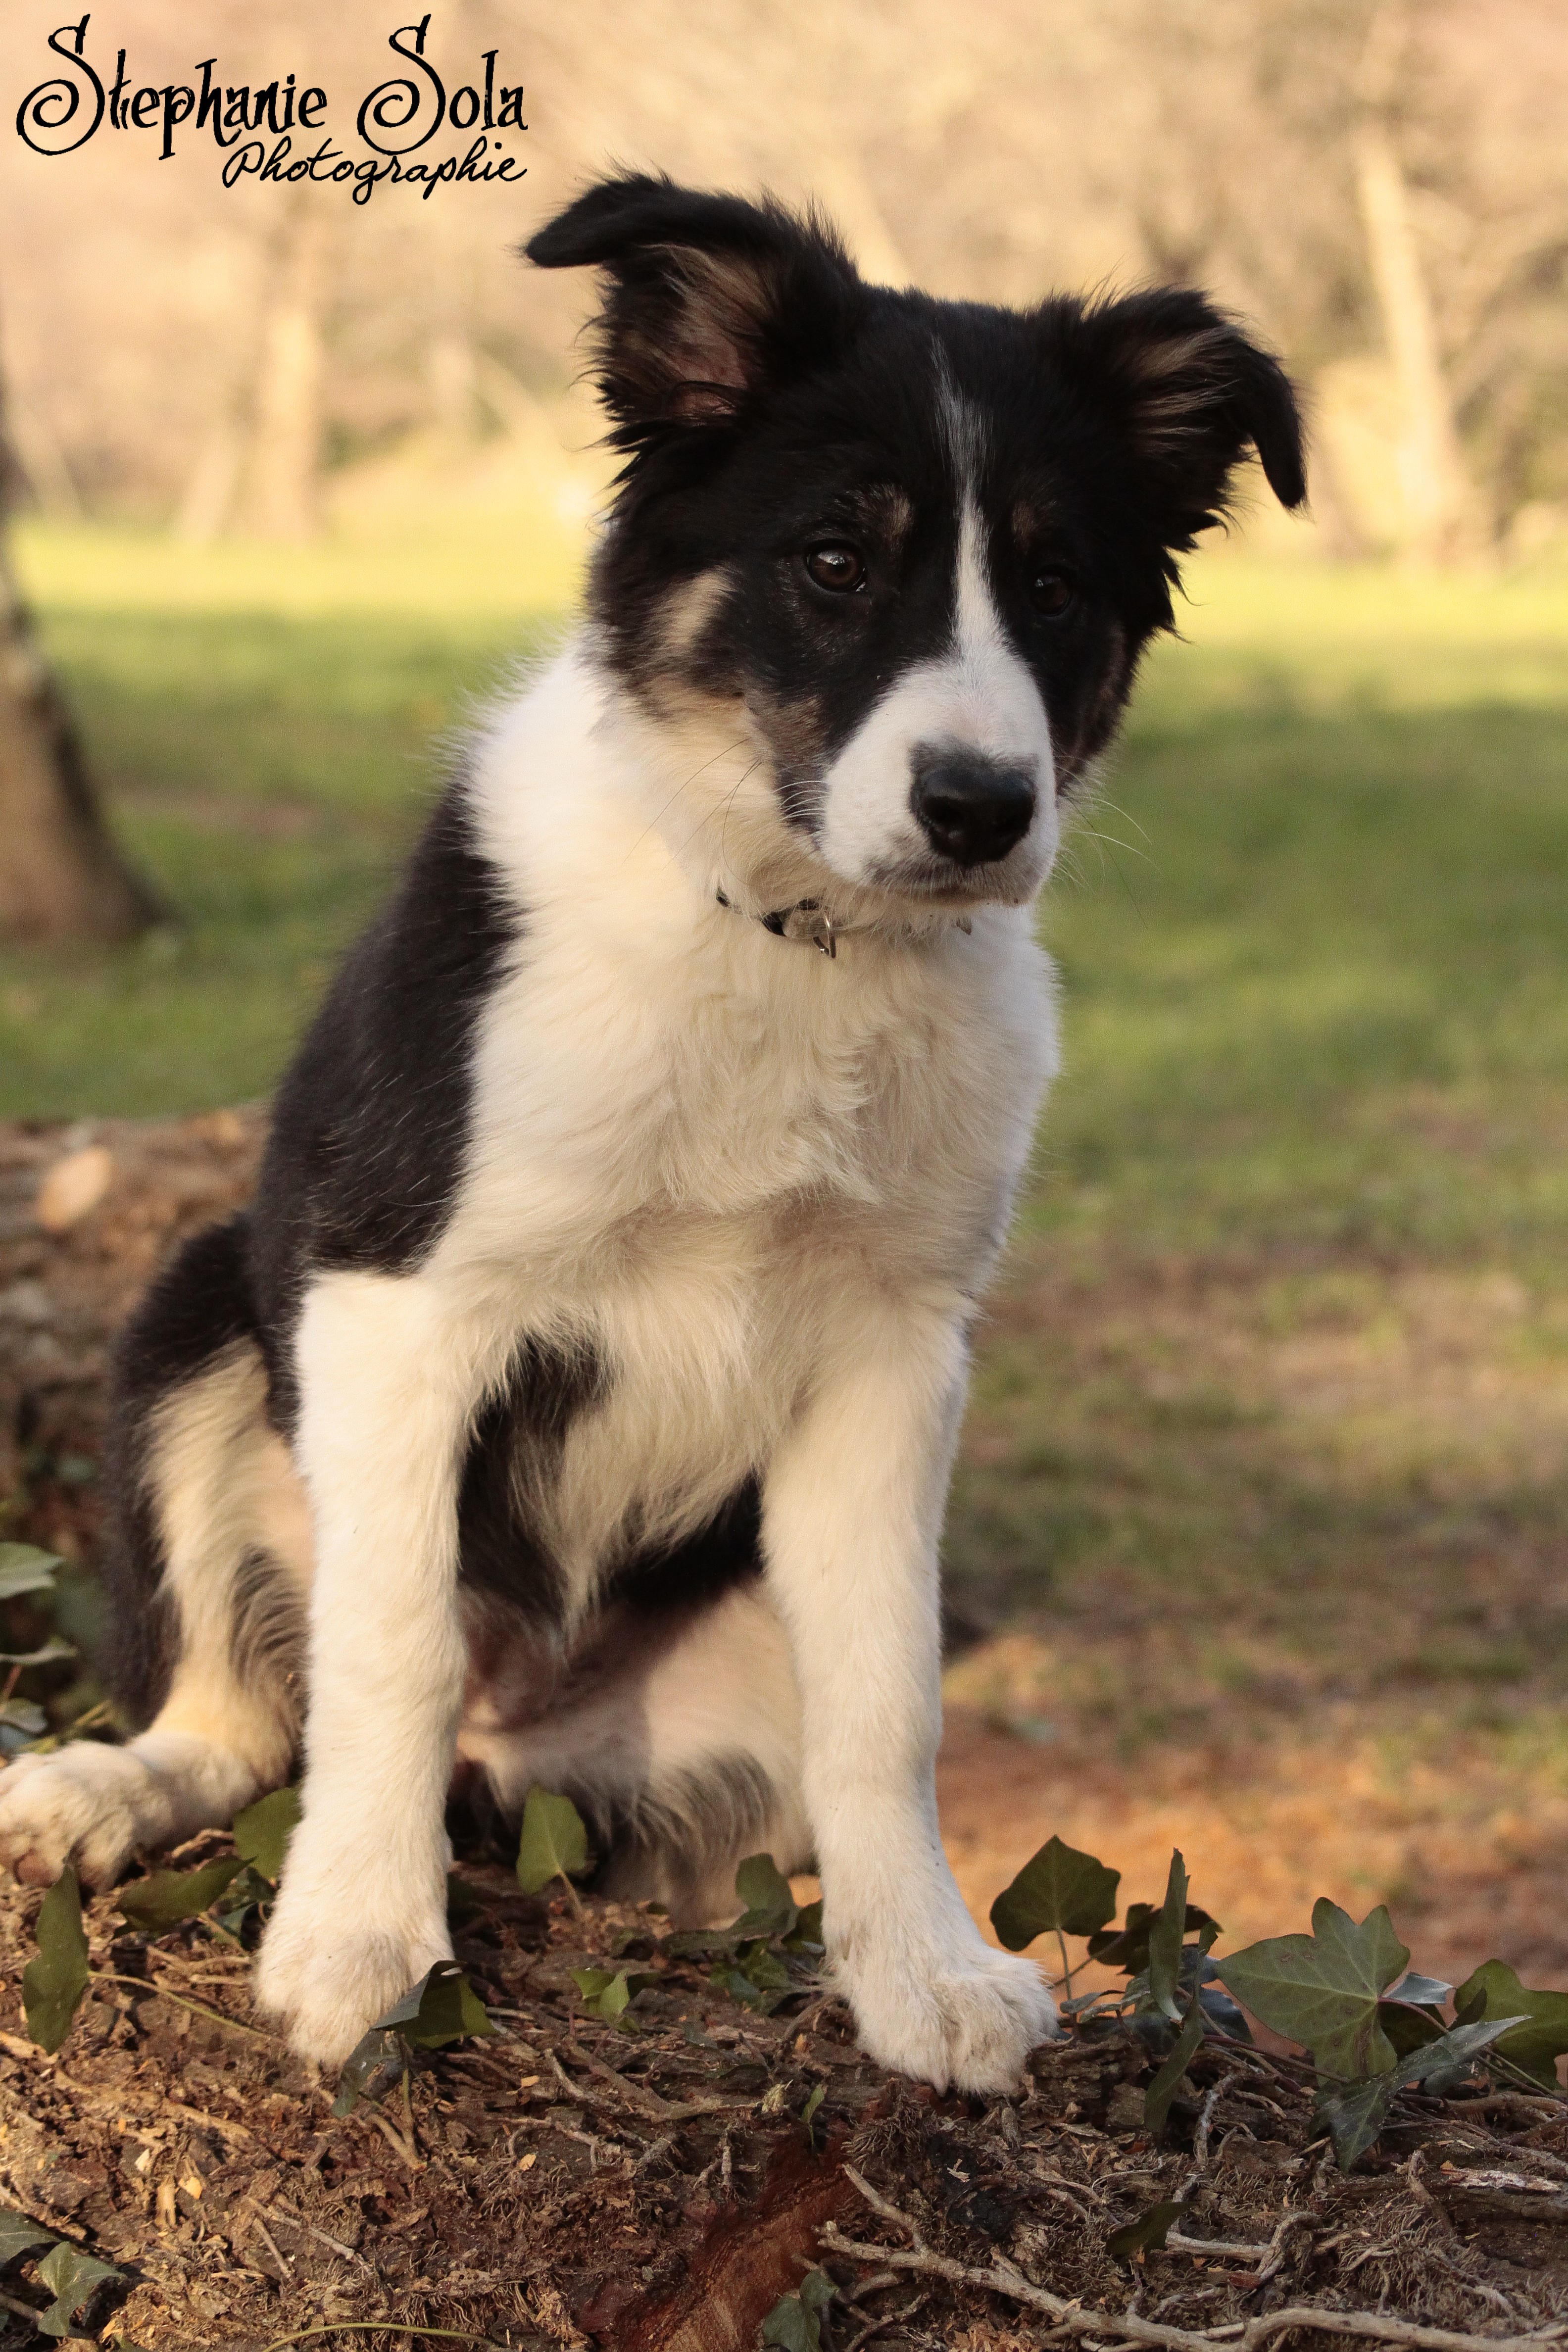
576 1404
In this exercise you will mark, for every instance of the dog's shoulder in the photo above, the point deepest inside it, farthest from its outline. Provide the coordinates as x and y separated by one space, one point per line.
370 1123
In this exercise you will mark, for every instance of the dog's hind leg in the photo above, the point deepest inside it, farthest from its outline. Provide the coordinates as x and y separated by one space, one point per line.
676 1733
206 1575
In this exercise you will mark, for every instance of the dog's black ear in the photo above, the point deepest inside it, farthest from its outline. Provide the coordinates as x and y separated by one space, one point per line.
709 300
1192 392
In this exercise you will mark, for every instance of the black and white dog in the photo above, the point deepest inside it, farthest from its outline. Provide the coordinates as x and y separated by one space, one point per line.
577 1402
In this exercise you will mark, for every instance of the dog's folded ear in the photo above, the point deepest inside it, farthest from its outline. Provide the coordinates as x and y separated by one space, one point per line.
709 301
1192 393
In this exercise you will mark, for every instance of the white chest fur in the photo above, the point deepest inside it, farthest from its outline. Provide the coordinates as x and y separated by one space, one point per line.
699 1147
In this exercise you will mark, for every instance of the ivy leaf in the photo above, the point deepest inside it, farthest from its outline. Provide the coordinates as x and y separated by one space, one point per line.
807 1934
1408 2029
607 1992
1450 2058
1165 1934
696 1943
19 2236
764 1890
1148 2234
21 1723
261 1833
53 1648
1421 1992
1157 2098
553 1844
1324 1990
1356 2112
167 1897
54 1982
371 2068
1058 1888
1220 2012
443 2007
1127 1946
1538 2039
71 2276
25 1568
758 1980
794 2323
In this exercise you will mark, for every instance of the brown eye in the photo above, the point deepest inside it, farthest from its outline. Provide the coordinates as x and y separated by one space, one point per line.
1050 592
835 564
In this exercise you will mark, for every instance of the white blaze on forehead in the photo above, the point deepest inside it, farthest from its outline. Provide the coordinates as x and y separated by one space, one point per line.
978 696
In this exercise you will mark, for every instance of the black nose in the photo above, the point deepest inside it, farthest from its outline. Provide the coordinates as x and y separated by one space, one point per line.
970 809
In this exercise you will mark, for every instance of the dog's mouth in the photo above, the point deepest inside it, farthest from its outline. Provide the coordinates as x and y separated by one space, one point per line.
933 881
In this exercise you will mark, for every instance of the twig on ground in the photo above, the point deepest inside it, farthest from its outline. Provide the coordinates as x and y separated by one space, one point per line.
1201 2137
1090 2326
880 2205
806 2022
150 1985
385 2327
1178 2243
1508 2102
888 2319
219 2124
273 2248
298 2222
402 2150
636 2094
595 2146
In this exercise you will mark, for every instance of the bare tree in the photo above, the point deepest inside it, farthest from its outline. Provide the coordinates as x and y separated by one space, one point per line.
286 430
61 876
1442 513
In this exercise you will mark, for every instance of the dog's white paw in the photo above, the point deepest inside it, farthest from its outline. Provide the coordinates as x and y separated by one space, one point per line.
88 1803
964 2019
331 1964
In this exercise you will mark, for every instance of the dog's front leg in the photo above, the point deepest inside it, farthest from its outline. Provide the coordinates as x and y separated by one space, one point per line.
388 1384
853 1513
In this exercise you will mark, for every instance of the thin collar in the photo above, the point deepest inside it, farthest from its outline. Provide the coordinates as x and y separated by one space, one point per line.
808 923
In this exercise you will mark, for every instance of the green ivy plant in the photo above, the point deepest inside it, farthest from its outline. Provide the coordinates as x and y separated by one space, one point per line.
1370 2026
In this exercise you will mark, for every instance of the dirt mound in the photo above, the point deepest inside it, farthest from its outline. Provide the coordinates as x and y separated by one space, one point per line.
656 2185
663 2182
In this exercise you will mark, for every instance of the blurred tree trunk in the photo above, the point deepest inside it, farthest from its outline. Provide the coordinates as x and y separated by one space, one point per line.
1443 515
61 876
286 438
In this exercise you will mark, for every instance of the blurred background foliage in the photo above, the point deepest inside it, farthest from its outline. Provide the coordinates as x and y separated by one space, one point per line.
1382 187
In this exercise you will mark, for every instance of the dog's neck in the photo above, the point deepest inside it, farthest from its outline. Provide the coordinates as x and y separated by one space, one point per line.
713 802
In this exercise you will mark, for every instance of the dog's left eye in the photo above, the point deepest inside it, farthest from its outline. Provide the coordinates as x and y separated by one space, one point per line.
1051 592
835 565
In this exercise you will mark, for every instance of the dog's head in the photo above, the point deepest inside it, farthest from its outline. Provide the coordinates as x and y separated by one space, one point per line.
912 549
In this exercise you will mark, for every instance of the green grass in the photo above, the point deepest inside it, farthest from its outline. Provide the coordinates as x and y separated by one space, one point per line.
267 728
1314 983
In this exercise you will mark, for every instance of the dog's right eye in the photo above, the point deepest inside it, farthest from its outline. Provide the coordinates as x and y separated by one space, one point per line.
835 564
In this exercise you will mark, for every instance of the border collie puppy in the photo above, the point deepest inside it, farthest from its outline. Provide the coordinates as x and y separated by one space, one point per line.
576 1403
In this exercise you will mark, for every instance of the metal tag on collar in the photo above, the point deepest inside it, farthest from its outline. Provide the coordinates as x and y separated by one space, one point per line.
811 921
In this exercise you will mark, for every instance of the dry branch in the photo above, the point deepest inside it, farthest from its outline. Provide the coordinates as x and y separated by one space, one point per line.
1130 2327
